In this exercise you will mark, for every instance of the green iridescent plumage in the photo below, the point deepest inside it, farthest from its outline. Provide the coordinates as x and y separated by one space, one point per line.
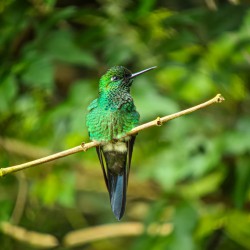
110 117
113 114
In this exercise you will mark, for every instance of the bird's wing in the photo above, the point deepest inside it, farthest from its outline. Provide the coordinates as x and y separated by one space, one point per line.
130 146
100 156
93 105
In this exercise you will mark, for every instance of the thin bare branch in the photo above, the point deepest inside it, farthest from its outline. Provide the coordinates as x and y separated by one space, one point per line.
84 236
20 200
29 237
14 146
85 146
159 121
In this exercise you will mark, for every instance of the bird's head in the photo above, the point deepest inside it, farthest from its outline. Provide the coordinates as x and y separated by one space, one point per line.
118 78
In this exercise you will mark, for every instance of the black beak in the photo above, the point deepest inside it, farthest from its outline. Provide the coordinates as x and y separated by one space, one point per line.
141 72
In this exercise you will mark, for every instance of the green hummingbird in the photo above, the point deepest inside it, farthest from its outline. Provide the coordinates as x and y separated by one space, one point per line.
110 117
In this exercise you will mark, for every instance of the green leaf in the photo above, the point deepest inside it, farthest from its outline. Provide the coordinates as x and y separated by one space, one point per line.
8 91
6 209
242 182
39 71
237 226
62 46
203 186
56 188
211 218
151 103
185 221
67 189
236 142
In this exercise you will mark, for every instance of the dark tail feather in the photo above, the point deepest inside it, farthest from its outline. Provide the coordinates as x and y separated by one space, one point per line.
116 169
117 191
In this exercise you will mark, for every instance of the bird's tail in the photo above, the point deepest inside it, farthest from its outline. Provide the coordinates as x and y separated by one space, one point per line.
116 169
117 192
117 181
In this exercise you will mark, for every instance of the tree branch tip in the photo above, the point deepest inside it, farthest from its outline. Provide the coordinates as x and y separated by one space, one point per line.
219 98
1 173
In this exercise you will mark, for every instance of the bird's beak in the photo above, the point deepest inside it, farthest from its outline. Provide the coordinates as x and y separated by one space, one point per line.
141 72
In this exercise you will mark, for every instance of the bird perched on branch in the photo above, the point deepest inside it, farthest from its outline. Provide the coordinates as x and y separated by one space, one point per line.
111 116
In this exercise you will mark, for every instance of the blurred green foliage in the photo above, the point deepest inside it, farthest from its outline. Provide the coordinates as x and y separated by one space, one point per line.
193 172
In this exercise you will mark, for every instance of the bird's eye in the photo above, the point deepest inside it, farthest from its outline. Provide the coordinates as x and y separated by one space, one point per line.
114 78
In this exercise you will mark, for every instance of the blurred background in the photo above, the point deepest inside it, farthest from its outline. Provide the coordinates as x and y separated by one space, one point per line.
189 182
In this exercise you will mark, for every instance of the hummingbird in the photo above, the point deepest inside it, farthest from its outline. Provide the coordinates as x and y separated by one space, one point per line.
110 117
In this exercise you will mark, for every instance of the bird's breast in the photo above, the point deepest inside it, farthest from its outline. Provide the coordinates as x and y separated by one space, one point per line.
106 122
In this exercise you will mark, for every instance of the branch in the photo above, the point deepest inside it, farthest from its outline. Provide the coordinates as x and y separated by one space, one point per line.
85 146
20 200
21 148
127 229
85 236
32 238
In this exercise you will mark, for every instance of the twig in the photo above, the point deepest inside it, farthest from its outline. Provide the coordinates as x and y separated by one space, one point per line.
29 237
20 200
84 236
85 146
159 121
25 149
